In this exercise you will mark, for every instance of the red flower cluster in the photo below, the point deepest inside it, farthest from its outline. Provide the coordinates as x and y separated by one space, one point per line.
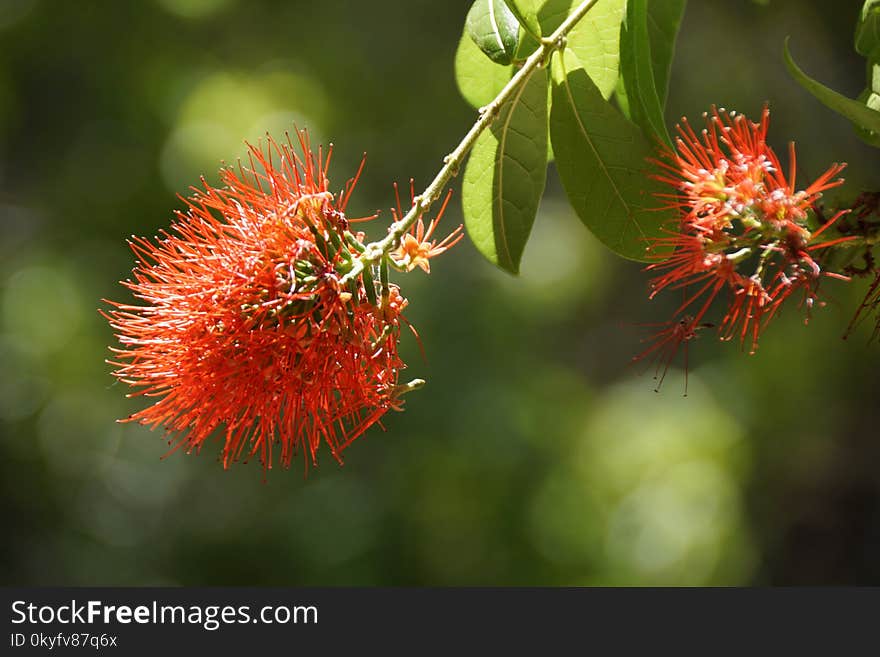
743 233
247 324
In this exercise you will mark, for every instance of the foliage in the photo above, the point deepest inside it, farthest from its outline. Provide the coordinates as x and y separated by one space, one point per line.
864 112
599 152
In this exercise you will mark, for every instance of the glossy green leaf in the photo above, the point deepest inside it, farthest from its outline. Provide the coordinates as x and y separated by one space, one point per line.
664 21
636 69
620 94
527 45
859 113
526 12
602 161
541 17
550 156
494 29
479 79
868 28
505 175
872 99
515 10
594 43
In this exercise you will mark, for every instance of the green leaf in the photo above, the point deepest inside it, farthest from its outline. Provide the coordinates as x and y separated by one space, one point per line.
550 156
505 175
601 158
620 94
479 78
868 28
494 29
872 99
521 19
664 21
636 69
594 44
860 114
527 45
541 17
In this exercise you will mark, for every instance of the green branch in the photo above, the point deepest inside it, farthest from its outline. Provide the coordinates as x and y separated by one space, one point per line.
374 251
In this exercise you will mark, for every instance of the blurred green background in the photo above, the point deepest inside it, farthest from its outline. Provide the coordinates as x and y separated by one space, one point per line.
536 454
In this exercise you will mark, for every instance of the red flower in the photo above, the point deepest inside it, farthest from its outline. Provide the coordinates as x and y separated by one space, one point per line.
665 343
416 247
245 325
743 231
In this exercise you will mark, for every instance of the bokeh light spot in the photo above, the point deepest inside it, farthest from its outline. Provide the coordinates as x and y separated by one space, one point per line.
226 109
43 307
194 9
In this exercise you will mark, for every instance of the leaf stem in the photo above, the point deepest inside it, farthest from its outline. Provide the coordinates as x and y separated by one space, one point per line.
452 162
